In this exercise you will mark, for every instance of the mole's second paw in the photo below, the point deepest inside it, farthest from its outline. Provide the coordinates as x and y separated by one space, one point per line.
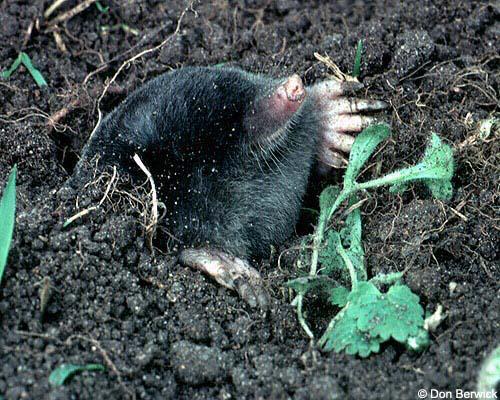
340 117
231 272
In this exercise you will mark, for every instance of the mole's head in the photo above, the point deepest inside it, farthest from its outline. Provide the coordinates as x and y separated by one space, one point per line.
275 108
240 112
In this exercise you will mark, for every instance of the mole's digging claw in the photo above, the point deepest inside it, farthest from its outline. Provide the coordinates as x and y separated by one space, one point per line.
340 117
253 293
344 105
351 87
231 272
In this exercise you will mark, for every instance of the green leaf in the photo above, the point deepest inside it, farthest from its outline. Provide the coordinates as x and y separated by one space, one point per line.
362 149
343 333
398 188
435 170
7 216
327 198
356 70
329 257
24 59
386 279
396 314
489 375
440 189
371 318
351 239
345 336
36 74
64 371
438 160
304 284
101 8
338 296
13 67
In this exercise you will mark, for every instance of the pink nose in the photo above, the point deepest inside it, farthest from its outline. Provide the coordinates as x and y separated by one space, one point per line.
294 88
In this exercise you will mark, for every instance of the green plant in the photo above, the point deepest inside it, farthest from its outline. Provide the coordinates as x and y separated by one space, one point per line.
64 371
489 375
101 8
7 216
356 70
368 315
24 59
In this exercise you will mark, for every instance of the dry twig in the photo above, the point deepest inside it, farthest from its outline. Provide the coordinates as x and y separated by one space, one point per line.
92 208
151 227
70 13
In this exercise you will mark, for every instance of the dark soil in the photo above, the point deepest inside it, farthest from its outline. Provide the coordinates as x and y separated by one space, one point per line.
165 331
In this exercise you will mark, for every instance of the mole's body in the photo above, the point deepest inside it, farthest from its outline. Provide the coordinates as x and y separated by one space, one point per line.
231 154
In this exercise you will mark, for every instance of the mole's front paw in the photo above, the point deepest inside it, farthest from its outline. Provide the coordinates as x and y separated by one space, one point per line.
231 272
340 117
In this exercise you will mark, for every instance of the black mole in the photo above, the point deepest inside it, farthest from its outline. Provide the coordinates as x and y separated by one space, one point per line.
231 154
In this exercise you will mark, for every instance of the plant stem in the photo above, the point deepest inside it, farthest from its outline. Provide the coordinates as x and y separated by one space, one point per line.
320 230
298 302
350 267
318 239
394 177
322 340
400 176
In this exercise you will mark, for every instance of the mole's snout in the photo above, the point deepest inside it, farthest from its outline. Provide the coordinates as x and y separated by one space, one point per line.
294 88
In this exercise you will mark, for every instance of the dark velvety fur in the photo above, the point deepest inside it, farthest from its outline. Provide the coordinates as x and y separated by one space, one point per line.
222 188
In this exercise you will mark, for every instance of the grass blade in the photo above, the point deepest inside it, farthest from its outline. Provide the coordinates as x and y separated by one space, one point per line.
101 8
24 59
36 74
356 70
13 67
7 216
65 371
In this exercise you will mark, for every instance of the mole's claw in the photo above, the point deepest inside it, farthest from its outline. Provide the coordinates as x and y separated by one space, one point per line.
345 105
253 293
338 140
351 87
333 88
231 272
330 158
351 123
246 292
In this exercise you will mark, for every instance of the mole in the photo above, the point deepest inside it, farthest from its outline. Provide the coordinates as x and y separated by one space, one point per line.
231 154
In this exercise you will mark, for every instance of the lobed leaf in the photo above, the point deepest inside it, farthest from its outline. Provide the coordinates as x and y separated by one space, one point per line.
338 296
363 147
386 279
344 333
64 371
371 318
7 216
435 170
396 314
